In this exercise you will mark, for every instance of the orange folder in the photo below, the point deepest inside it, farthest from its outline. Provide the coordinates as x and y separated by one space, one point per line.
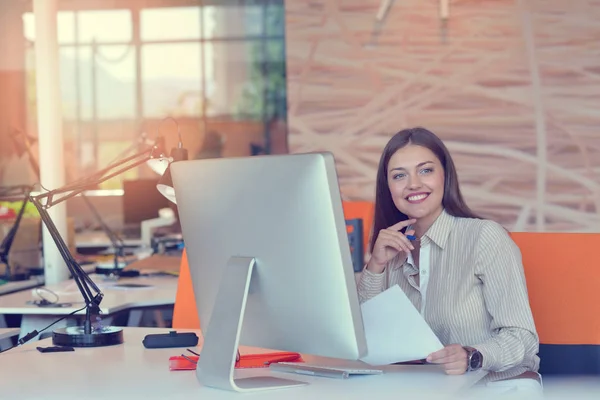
262 360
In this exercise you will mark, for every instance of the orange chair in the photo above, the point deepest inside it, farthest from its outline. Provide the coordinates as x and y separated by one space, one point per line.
563 281
185 314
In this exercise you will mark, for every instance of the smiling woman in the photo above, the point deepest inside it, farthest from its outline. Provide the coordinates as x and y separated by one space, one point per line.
463 273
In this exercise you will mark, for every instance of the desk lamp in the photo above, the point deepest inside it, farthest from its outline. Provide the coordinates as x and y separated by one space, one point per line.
21 192
86 335
23 144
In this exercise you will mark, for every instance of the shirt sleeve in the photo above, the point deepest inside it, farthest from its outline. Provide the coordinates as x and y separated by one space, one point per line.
500 269
370 284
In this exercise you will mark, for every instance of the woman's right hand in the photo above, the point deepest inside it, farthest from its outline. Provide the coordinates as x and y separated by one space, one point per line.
389 243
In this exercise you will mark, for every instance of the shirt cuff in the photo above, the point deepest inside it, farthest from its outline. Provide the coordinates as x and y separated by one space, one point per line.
370 285
371 276
491 354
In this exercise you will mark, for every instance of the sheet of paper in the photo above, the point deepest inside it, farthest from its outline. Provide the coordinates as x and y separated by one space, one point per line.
395 330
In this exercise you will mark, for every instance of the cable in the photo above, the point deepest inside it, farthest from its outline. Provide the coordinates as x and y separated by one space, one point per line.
34 333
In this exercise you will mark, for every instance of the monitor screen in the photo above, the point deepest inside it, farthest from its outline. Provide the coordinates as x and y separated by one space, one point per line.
142 201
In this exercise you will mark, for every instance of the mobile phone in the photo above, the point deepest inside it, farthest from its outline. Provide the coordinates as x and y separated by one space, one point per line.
54 349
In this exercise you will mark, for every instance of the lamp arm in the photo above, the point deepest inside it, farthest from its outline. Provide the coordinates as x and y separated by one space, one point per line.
83 281
103 175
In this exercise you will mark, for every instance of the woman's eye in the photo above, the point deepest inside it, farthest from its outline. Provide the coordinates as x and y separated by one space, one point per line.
426 170
398 176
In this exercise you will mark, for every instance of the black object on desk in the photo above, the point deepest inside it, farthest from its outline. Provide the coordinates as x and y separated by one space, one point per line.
54 349
120 272
171 339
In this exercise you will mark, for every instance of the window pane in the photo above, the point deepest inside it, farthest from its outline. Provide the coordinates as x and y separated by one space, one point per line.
232 21
112 95
247 78
171 79
65 26
275 20
170 23
76 82
115 82
104 26
106 154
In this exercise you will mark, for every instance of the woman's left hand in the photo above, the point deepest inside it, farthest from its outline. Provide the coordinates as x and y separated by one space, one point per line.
453 358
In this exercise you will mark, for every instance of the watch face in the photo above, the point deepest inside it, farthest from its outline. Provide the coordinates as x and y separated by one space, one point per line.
475 362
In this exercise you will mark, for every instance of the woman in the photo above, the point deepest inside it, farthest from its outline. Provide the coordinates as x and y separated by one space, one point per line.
463 273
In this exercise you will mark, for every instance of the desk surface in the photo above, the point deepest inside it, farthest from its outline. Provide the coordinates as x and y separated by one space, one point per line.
99 239
161 291
8 332
11 287
131 371
34 281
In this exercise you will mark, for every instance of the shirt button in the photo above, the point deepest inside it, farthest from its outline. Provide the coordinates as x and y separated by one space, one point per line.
424 272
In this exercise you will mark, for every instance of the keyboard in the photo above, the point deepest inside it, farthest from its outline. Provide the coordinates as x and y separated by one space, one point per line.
320 370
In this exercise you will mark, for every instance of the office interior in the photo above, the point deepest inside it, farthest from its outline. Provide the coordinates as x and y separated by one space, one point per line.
512 87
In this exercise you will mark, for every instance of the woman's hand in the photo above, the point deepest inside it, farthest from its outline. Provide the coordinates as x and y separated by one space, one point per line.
453 358
389 243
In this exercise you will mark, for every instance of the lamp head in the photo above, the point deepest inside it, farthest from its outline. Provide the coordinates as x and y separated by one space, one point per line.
165 183
159 163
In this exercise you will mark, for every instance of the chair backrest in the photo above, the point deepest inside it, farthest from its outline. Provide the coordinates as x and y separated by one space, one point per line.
563 281
185 314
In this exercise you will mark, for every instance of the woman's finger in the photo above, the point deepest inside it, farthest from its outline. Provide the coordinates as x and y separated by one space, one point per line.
400 236
397 238
402 224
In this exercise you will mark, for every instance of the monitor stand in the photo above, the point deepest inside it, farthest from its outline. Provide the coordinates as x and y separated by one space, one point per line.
216 364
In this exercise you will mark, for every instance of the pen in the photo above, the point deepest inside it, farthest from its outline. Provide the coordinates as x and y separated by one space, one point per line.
409 237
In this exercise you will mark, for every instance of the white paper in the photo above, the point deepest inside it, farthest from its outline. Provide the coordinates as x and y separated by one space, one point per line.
395 330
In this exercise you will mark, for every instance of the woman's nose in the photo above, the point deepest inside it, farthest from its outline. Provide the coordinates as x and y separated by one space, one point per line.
414 182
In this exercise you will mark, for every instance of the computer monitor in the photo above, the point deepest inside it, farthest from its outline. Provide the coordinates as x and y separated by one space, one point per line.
266 243
141 201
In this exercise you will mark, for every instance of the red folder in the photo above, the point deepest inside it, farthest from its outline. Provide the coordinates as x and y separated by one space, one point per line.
262 360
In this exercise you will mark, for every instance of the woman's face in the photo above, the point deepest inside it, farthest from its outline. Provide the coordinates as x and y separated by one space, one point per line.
416 180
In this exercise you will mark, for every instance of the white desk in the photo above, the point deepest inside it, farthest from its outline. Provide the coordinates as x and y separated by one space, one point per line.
161 292
11 287
99 239
131 371
8 332
34 281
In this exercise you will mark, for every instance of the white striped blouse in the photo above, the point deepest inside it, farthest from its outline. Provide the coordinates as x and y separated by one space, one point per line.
476 292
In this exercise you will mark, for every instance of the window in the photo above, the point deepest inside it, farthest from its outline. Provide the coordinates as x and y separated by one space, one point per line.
219 68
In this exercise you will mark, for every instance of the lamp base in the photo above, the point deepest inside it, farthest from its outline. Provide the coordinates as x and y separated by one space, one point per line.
74 336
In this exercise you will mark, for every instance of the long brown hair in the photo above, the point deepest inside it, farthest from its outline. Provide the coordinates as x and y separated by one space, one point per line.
386 212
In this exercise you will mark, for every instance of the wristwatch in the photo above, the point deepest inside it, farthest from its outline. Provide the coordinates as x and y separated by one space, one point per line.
474 359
